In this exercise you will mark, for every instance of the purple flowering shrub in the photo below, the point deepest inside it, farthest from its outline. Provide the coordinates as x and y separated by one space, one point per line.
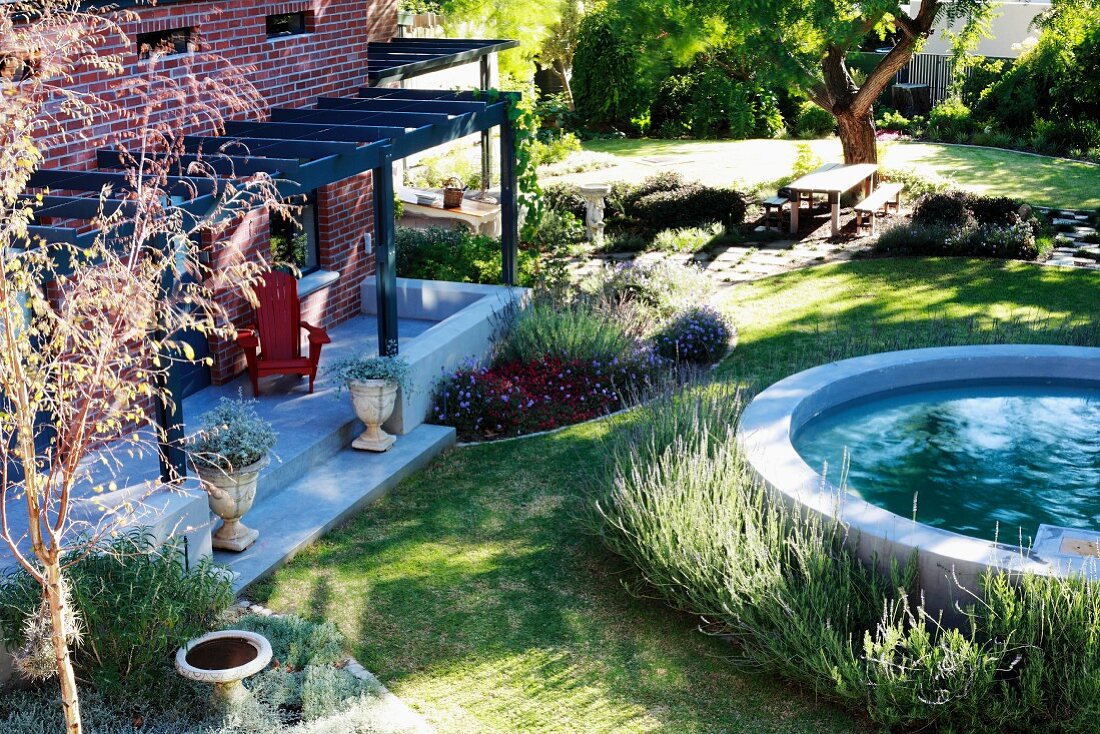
697 335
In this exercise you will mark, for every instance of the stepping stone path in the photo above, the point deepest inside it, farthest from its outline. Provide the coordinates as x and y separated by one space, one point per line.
755 260
1070 246
729 265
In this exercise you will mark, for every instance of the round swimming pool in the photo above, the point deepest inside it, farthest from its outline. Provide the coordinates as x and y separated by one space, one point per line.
992 444
992 460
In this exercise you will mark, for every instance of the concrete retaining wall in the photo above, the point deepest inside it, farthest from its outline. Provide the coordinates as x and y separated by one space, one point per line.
467 316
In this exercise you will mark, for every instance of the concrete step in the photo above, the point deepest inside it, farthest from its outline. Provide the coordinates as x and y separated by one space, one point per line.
334 490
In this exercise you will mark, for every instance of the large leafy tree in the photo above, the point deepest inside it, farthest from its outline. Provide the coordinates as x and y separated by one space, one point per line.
806 44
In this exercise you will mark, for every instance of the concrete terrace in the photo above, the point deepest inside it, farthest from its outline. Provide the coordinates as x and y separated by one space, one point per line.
314 480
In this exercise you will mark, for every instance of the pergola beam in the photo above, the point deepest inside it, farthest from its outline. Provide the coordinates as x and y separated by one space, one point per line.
219 164
278 147
290 131
77 207
383 104
398 121
403 58
96 181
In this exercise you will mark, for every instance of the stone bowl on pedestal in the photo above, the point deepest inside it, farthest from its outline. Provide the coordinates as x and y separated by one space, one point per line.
225 659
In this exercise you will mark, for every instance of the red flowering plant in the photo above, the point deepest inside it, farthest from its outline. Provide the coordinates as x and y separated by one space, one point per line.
518 397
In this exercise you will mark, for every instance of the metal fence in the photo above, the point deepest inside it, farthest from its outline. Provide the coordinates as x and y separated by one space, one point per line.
935 70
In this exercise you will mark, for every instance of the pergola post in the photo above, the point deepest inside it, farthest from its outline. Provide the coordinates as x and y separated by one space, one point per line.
169 399
486 137
385 255
509 208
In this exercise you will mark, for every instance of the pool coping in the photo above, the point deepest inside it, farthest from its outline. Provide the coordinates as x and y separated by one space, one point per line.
949 562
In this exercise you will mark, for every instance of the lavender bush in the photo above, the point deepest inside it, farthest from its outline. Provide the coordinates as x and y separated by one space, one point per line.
697 335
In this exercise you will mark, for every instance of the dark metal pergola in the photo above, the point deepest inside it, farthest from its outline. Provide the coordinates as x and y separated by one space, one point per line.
304 149
403 58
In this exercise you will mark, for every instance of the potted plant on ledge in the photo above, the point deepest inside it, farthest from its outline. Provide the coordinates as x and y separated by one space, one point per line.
228 454
373 383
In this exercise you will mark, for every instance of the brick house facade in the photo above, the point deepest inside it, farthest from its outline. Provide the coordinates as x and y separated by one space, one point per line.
328 59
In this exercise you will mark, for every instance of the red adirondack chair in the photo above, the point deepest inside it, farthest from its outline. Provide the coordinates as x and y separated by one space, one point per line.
273 344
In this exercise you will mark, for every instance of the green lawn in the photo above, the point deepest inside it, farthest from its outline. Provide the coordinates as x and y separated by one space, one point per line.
475 594
1038 180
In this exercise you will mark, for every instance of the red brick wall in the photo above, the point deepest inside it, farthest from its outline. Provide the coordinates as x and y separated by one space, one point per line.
291 71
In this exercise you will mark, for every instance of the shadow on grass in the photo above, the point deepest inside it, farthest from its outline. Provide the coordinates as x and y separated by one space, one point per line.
474 590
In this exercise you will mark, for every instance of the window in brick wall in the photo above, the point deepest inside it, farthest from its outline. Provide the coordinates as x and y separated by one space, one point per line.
294 236
171 41
286 24
18 66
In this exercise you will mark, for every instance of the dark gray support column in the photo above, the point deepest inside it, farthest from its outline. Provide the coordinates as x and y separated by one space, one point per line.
509 207
169 403
486 137
385 255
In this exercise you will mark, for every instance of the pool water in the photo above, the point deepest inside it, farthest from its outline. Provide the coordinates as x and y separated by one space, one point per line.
990 460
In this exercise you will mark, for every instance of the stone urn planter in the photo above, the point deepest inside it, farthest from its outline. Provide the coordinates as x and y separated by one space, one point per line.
228 454
373 383
231 494
374 401
224 659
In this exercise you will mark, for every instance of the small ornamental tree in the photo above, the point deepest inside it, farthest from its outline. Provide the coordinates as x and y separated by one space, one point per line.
87 335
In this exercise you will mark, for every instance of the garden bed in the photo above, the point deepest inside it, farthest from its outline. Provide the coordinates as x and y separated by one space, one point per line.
569 358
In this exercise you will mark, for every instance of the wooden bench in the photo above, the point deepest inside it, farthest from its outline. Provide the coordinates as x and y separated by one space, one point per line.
774 205
880 200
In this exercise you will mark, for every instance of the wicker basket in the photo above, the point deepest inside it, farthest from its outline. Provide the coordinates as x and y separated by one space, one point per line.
452 193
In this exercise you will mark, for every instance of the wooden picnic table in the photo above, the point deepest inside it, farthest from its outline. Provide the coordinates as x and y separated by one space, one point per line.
833 182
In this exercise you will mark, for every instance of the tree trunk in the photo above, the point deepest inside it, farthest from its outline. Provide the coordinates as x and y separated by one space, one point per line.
857 136
563 75
60 615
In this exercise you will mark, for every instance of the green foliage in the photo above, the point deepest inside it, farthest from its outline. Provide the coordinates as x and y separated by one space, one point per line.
606 74
687 239
528 21
557 231
805 161
916 184
957 223
661 288
813 121
1051 94
895 122
456 255
549 149
571 333
984 73
1006 241
564 198
950 209
691 205
372 367
325 688
137 603
304 693
707 102
232 436
950 121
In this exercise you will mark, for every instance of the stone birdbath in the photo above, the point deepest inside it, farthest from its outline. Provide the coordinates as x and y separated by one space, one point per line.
594 195
225 659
